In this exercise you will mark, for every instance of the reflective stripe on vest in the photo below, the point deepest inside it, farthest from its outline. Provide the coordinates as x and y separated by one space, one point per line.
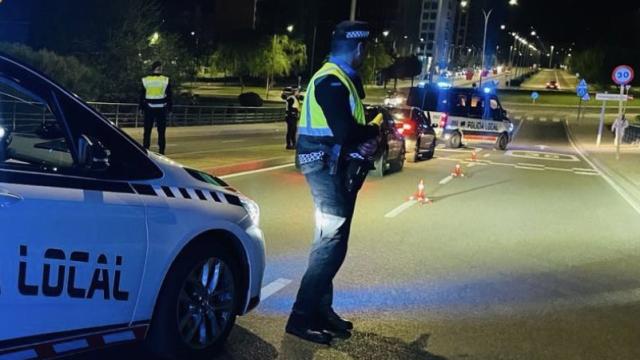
155 87
312 119
296 102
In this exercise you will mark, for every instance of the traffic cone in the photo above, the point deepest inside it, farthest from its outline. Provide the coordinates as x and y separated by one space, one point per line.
474 156
420 195
457 171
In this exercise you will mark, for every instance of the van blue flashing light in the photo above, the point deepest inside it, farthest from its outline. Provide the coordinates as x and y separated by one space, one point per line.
487 90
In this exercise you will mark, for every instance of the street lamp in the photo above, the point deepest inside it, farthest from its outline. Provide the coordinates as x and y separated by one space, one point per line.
463 3
502 27
290 28
533 33
551 57
513 2
484 40
385 33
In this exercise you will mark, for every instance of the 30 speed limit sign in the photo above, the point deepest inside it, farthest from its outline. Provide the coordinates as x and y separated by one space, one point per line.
622 75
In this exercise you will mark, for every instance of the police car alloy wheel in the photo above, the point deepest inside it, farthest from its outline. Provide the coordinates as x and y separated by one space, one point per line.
198 305
381 164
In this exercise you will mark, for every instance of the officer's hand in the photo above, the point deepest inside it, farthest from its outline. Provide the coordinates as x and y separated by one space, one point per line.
377 120
368 148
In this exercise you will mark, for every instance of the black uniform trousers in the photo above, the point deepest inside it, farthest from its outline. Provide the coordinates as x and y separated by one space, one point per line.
292 119
157 116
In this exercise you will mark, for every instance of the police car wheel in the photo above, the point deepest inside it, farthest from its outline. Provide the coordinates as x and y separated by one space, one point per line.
455 141
380 164
502 142
432 150
196 308
399 163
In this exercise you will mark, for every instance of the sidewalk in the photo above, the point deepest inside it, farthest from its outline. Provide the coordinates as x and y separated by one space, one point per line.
624 172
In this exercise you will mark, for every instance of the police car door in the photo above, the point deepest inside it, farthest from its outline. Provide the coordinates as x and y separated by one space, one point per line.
73 245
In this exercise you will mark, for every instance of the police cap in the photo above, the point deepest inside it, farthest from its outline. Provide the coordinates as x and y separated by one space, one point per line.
351 30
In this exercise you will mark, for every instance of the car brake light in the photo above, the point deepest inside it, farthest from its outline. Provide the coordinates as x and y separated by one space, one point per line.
443 120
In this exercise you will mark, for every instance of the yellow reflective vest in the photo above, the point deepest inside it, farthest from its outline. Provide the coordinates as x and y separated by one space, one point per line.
155 90
312 119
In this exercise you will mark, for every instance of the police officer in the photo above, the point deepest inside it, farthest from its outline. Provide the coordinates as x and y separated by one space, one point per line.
292 117
332 130
155 102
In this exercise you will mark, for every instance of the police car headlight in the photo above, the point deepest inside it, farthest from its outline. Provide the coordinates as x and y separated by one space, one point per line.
252 209
2 132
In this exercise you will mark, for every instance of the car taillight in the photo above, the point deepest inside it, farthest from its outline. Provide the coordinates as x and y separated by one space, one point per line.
405 128
443 120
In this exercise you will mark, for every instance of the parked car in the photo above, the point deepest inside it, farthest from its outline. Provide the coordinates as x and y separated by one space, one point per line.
420 137
391 154
104 242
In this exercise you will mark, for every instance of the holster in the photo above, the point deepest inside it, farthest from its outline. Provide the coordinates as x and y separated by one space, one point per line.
356 173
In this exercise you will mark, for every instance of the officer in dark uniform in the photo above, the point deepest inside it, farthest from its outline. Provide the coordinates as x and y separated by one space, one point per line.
333 151
155 102
292 118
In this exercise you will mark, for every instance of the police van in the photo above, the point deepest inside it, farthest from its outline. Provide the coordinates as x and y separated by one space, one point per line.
462 116
104 243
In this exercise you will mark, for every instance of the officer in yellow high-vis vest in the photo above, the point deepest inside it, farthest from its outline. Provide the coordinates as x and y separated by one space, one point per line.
155 103
334 143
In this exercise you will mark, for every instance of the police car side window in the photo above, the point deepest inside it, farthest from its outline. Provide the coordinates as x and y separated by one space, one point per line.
459 107
31 137
476 109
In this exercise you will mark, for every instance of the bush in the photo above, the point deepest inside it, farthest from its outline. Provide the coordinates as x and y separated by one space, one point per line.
250 99
66 70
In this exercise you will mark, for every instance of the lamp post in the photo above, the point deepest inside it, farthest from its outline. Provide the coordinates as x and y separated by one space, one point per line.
551 56
484 41
354 4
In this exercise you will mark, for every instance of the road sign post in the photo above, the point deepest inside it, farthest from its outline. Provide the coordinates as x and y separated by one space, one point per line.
604 97
582 90
622 75
534 96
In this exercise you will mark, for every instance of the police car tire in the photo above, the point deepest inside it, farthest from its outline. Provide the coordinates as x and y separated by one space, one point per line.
399 163
164 339
502 142
432 150
380 164
455 141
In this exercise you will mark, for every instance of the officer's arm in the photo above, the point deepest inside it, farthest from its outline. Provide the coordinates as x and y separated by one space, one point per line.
141 101
169 94
290 103
333 98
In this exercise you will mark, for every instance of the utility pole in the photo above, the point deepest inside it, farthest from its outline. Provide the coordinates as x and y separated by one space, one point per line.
354 4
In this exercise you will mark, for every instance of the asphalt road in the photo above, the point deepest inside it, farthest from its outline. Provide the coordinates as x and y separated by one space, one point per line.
539 81
532 255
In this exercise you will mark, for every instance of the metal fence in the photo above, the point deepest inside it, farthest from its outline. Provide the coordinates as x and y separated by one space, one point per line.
128 115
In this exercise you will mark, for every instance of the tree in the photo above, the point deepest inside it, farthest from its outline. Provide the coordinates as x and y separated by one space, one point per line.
235 57
278 55
377 59
589 64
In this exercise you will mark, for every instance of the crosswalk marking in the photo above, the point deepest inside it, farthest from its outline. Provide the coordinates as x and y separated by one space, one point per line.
543 119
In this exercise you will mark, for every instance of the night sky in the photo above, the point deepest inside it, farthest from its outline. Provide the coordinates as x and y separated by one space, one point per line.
557 21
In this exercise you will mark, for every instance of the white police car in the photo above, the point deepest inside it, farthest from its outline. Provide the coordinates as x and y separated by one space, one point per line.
103 243
464 115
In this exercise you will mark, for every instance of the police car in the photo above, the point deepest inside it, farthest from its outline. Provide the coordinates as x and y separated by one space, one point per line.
105 243
465 115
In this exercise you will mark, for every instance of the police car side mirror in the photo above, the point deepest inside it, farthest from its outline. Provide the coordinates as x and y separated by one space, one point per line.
92 155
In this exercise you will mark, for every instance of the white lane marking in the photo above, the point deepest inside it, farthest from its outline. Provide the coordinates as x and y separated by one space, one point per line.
446 180
531 165
273 288
397 211
582 169
542 155
486 155
606 177
257 171
515 133
233 141
517 117
556 120
472 165
558 169
530 118
528 168
586 173
543 119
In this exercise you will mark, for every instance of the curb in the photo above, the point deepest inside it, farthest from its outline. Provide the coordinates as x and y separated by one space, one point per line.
250 166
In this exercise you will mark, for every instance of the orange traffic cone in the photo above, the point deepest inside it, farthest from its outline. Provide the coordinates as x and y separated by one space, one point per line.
457 171
474 156
420 195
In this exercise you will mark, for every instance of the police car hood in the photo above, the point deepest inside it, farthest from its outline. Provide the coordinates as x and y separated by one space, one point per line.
180 176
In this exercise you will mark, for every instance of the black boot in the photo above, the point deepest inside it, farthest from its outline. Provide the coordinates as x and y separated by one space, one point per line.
307 329
334 322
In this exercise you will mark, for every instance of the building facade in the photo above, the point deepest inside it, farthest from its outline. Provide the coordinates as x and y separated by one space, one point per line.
437 25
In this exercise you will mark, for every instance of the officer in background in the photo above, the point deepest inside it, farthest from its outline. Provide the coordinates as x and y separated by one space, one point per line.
333 144
155 102
292 118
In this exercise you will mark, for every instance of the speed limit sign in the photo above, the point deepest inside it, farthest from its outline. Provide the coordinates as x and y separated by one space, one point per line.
622 75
